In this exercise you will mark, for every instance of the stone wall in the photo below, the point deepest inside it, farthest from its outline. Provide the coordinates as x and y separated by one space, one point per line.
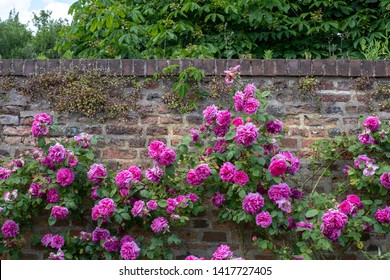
342 91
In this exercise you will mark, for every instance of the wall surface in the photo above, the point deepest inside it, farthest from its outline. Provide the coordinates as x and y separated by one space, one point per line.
343 92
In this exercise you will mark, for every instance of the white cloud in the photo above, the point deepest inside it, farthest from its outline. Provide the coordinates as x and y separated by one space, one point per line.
21 6
59 10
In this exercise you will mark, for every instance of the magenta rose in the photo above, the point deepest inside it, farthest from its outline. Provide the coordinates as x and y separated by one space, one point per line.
123 179
156 148
238 99
345 207
220 131
152 205
366 138
154 174
194 135
111 244
138 209
210 113
221 146
222 253
136 173
372 123
100 234
274 126
36 190
240 178
193 178
129 251
10 229
57 153
166 157
203 171
278 167
59 212
279 192
65 177
52 196
383 215
224 118
227 172
246 134
251 105
385 180
218 199
250 91
97 173
252 203
263 219
159 225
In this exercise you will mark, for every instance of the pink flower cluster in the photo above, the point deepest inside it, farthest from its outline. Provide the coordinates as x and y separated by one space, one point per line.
196 176
54 241
218 199
83 138
252 203
181 201
10 196
10 229
111 244
246 101
160 153
279 194
97 173
383 215
57 153
125 177
139 209
283 162
104 209
36 190
221 146
159 225
99 234
40 123
303 225
52 195
333 221
59 212
246 134
229 173
351 205
57 256
371 124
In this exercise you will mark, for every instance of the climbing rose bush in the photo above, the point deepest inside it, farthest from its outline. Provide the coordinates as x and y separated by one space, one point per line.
234 159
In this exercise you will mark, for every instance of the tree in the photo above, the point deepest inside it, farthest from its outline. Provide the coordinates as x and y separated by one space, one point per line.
224 28
15 38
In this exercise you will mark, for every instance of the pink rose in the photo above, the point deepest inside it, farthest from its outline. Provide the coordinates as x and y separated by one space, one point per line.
278 167
240 178
372 123
65 177
227 172
251 106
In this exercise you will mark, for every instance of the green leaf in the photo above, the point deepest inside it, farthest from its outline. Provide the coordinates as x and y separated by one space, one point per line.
51 221
311 213
162 203
145 193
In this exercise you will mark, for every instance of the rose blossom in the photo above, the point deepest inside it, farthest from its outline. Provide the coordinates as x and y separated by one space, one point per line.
218 199
10 229
293 162
52 196
333 222
100 234
220 131
296 194
274 126
138 209
111 244
94 193
154 174
252 203
237 121
193 258
48 163
355 201
250 91
4 173
279 191
57 241
370 169
307 225
240 178
231 74
263 219
246 134
97 173
43 118
104 209
159 225
65 177
385 180
166 157
278 167
193 197
194 135
156 148
238 99
372 123
35 190
152 205
57 256
72 159
123 179
210 113
59 212
251 105
383 215
193 178
83 138
366 138
221 146
284 204
345 207
126 238
208 151
224 118
227 172
57 153
130 250
203 171
222 253
46 239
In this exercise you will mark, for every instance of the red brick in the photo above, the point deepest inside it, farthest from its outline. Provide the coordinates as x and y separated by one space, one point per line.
149 120
380 68
317 133
214 236
320 121
318 67
292 67
119 154
123 129
139 67
330 67
291 121
179 130
156 130
13 140
27 121
355 68
245 67
343 68
18 131
137 143
163 109
350 121
269 67
307 143
299 132
171 120
289 143
257 67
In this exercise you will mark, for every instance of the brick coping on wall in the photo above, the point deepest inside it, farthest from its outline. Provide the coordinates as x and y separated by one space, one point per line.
249 67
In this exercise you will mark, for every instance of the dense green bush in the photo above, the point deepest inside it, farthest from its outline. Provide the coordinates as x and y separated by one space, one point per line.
228 29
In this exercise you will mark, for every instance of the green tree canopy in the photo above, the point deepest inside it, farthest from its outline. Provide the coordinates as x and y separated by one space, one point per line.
225 28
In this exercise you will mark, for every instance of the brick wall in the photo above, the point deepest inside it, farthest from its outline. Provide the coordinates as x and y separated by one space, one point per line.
342 93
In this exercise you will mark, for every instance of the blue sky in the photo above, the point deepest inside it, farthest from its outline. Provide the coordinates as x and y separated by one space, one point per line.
26 8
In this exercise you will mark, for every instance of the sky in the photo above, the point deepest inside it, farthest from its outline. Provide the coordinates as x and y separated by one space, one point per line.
26 8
